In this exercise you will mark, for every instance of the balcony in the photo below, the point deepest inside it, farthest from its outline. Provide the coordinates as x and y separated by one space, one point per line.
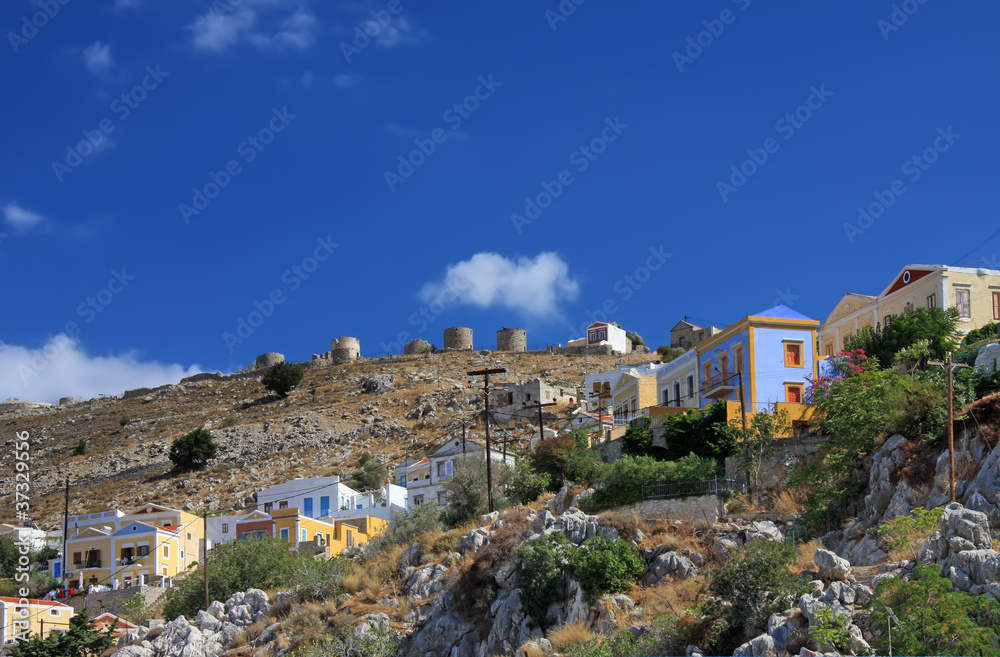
719 385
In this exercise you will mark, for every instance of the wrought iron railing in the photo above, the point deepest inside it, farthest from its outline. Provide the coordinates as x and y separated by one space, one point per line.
688 488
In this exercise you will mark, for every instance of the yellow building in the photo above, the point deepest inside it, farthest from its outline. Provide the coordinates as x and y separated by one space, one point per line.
152 544
20 618
974 292
325 536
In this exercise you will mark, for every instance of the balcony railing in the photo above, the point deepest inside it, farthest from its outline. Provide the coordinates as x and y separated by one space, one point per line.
719 384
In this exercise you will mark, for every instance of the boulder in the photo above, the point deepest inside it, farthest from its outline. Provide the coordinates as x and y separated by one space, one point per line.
669 564
474 540
761 646
762 530
425 582
989 356
831 567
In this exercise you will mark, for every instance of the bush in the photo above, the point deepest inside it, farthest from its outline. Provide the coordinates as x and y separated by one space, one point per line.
368 475
830 629
230 420
81 448
193 450
939 327
405 528
635 338
262 563
605 566
525 485
564 459
467 489
124 421
934 619
377 642
544 563
986 333
83 639
756 582
668 353
134 609
623 480
281 378
698 432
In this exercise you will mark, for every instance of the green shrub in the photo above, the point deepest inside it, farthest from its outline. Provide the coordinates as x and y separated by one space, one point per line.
919 523
605 566
83 639
986 333
623 480
565 458
124 421
193 450
939 327
81 448
699 432
830 629
405 528
377 642
917 406
281 378
230 420
525 485
368 475
934 619
467 489
756 582
544 564
134 608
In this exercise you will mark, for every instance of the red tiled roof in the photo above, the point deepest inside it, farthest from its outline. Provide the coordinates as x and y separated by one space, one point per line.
33 601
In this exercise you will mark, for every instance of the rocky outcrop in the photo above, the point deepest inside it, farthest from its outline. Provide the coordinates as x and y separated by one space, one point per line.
831 567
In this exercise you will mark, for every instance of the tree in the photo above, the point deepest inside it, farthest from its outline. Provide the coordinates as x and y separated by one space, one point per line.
81 448
193 450
82 639
939 327
638 439
635 338
369 474
756 582
467 494
525 485
757 441
281 378
668 353
8 557
934 618
134 608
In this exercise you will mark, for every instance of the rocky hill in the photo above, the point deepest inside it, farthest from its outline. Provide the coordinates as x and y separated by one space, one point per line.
391 407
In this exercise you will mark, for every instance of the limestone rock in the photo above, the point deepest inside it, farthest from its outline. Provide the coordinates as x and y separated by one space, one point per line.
831 567
761 646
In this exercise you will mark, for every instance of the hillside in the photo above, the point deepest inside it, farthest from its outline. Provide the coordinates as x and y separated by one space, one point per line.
320 429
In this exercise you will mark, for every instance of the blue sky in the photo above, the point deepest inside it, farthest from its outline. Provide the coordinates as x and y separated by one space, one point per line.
535 164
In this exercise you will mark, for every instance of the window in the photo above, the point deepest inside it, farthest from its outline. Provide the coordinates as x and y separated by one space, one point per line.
189 536
690 387
268 506
418 499
847 336
677 394
182 556
887 322
708 374
350 538
738 357
304 535
593 336
307 507
793 354
54 612
666 396
77 558
724 366
603 335
963 304
143 550
793 394
283 505
828 349
324 505
283 533
445 469
225 528
166 551
996 305
932 301
908 308
597 387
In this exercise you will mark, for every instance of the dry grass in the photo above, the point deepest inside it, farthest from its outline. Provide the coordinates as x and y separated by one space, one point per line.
805 553
356 581
672 597
625 522
405 605
570 635
786 504
532 649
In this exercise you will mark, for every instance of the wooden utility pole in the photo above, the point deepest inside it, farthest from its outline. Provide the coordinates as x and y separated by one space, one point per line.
65 533
541 426
486 389
601 396
951 425
204 533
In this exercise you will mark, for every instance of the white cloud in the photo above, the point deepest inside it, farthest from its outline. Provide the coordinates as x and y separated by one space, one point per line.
97 57
535 287
344 80
62 369
254 22
20 218
399 31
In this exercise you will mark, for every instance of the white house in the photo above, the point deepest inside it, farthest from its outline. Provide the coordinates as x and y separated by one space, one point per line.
321 497
677 382
605 333
429 475
36 539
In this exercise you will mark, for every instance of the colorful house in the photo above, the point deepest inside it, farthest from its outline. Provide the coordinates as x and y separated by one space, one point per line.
762 363
677 382
974 291
21 618
326 537
605 333
120 625
319 497
152 544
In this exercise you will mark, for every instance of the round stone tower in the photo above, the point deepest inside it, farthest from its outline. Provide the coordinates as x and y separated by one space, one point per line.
269 359
417 346
512 339
345 350
458 337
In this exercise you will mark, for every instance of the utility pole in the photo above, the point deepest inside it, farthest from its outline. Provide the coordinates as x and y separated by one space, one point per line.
65 532
601 396
204 533
541 427
951 425
486 390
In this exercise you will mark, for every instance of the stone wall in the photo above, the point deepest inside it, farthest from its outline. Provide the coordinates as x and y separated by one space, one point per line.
112 600
691 509
789 454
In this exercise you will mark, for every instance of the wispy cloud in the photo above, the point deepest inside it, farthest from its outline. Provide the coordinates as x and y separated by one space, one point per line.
345 81
398 32
265 24
97 57
20 218
535 287
69 371
397 130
